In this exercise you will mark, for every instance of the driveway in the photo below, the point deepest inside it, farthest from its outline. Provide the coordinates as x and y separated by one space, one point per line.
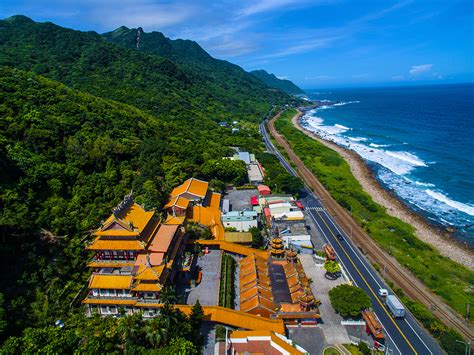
333 331
206 291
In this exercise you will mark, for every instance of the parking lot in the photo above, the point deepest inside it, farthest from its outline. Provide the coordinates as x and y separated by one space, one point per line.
206 291
333 331
240 199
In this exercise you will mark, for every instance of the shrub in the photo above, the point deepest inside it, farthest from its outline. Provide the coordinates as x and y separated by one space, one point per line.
349 301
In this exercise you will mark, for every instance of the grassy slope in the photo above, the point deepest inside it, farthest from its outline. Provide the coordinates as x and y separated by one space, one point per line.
445 277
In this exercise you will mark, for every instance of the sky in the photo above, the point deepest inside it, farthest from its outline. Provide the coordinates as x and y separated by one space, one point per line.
316 44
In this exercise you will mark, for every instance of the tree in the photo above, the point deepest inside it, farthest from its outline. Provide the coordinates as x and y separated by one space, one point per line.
179 346
195 318
257 238
168 295
3 322
332 267
349 301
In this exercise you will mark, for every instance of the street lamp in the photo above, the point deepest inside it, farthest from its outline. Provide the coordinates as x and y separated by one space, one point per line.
467 344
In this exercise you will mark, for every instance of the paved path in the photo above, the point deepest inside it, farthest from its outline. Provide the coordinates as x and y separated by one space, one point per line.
333 331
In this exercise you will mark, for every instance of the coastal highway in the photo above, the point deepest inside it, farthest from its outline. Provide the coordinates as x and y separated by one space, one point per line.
403 336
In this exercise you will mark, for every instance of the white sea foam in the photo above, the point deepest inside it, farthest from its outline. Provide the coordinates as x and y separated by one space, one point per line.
342 103
316 125
374 145
340 126
463 207
358 139
425 184
407 157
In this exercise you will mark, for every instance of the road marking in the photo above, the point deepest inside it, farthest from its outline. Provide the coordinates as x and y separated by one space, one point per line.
320 209
353 281
368 286
373 277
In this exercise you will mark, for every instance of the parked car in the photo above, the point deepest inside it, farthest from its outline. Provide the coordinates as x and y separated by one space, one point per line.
340 237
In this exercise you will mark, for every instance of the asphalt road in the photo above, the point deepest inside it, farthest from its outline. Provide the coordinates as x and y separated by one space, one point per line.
403 336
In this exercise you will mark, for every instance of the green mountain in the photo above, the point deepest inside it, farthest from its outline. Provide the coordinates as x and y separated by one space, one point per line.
271 80
100 120
157 83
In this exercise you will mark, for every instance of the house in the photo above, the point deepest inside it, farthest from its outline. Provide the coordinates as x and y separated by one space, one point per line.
195 202
263 342
135 256
263 190
194 190
240 220
255 171
276 288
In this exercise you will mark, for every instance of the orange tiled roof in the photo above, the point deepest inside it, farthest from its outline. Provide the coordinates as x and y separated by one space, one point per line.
149 273
154 259
117 233
110 281
256 292
192 186
215 202
174 220
239 334
137 215
254 283
258 302
178 201
147 287
163 238
110 244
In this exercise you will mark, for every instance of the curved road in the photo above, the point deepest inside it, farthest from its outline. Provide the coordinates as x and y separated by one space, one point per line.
403 336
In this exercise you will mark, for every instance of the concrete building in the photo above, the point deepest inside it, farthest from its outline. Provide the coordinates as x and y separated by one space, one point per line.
240 220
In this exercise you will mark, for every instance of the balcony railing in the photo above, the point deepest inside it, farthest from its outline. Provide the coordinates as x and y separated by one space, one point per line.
99 297
113 261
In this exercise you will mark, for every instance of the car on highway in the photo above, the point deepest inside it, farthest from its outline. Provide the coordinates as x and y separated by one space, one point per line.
340 237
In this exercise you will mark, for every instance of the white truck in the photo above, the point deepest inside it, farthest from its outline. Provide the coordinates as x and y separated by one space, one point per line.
395 306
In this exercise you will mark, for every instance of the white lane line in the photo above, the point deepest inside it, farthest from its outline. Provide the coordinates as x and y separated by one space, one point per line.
350 246
327 239
373 277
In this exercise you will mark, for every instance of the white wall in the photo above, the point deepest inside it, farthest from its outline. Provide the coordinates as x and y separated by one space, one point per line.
241 226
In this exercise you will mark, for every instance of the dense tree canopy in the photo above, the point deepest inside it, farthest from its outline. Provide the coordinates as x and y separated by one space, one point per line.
349 301
100 121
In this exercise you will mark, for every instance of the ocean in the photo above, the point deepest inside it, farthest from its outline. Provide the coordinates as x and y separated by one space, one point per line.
419 141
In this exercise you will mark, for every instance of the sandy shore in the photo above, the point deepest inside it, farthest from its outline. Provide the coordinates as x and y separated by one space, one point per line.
440 240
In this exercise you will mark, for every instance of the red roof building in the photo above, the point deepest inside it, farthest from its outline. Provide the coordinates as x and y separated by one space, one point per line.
263 190
254 200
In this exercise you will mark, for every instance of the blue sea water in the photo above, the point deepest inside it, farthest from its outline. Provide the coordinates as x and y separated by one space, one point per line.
418 139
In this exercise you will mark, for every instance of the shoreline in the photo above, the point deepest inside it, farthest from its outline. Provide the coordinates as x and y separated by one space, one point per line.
442 241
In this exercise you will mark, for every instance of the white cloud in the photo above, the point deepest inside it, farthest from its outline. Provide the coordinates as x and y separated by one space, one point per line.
140 13
304 47
420 69
267 5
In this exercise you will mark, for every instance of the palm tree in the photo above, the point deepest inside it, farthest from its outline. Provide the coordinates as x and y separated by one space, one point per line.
156 333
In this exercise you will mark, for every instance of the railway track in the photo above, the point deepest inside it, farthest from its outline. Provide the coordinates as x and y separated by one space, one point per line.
403 278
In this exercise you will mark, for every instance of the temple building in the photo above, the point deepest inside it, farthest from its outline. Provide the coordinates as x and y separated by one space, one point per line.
136 255
277 288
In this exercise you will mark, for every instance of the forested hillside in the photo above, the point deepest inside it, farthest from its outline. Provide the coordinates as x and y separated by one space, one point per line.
272 81
99 121
159 84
